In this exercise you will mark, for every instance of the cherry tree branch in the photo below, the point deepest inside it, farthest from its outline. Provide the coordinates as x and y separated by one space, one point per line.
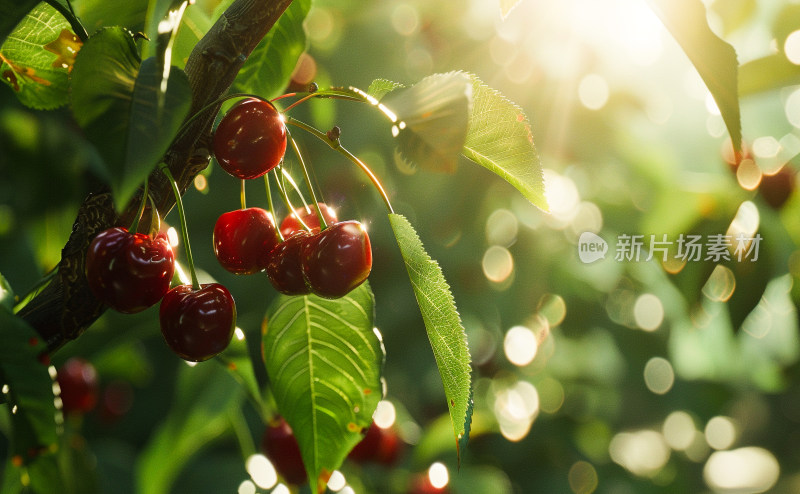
66 307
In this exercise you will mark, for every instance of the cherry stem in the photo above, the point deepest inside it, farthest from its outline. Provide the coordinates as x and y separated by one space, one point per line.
145 194
285 175
155 226
285 195
322 223
184 230
242 196
301 100
336 145
278 233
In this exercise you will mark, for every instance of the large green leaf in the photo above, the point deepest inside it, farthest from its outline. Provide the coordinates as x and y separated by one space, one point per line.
96 14
27 387
770 72
163 20
500 140
431 119
206 397
443 323
36 57
269 67
115 98
714 59
324 361
13 12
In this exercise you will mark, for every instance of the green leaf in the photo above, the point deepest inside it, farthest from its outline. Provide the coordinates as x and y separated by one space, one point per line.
96 14
324 361
163 20
13 12
432 118
27 387
714 59
206 396
770 72
381 87
37 57
115 98
269 67
500 140
443 323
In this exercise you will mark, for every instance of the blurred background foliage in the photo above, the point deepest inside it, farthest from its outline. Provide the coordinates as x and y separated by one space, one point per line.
611 377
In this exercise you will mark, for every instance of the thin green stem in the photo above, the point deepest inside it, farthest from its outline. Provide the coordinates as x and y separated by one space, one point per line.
184 230
285 196
242 196
297 190
145 194
272 207
322 223
335 145
70 16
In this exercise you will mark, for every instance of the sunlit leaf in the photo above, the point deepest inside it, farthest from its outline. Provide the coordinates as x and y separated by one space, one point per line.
324 362
115 99
205 396
269 67
500 140
28 390
770 72
443 323
13 12
714 59
432 118
6 295
96 14
37 56
381 87
194 25
163 20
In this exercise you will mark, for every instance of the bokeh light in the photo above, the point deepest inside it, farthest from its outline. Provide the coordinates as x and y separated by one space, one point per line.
642 453
720 432
648 312
659 375
520 345
385 414
261 471
583 478
745 470
438 475
498 264
679 430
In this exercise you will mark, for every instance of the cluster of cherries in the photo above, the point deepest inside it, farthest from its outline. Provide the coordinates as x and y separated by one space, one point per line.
131 271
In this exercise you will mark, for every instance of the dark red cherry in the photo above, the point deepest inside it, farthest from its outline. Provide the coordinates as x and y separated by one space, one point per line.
337 259
280 446
284 269
243 240
129 271
378 445
291 224
250 140
198 324
777 188
77 379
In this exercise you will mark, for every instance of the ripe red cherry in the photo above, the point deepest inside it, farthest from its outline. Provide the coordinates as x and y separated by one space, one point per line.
243 240
337 259
284 269
291 224
378 445
129 271
280 446
777 188
77 379
250 140
198 324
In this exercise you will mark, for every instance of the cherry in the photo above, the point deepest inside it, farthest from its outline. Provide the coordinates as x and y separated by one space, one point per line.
243 240
198 324
280 446
379 445
77 379
778 187
284 269
129 271
337 259
250 140
291 224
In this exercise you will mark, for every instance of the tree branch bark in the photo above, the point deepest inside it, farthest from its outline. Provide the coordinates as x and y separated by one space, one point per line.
66 307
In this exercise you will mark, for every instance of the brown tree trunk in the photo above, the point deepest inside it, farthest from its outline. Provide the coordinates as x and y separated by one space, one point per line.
66 307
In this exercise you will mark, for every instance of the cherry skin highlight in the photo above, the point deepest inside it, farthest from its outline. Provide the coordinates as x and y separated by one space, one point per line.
129 271
243 240
250 140
291 224
284 270
198 324
337 259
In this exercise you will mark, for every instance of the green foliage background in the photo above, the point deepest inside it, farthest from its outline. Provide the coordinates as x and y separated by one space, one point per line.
650 160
